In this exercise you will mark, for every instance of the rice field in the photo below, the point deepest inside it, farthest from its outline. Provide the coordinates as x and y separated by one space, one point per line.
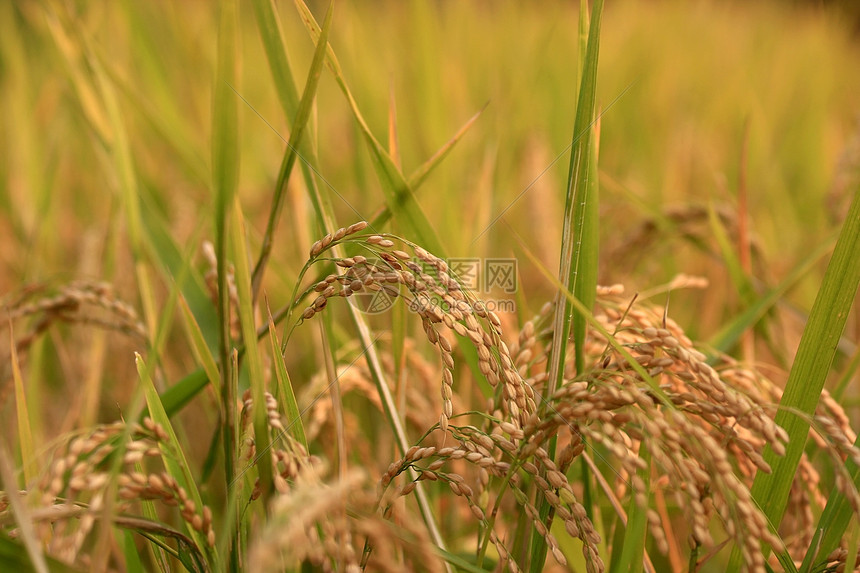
429 286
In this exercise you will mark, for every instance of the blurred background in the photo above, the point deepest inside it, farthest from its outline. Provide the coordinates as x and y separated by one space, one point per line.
700 101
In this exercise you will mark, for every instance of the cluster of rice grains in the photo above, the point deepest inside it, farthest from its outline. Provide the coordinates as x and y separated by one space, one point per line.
656 424
33 310
704 427
316 523
427 286
73 492
332 526
707 446
81 302
289 458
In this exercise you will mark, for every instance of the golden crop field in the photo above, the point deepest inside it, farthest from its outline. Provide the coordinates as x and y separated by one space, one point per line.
521 286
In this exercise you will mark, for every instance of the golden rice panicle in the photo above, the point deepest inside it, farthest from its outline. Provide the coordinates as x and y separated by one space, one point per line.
355 378
332 238
80 301
78 479
164 488
273 415
427 286
297 520
555 488
322 523
698 470
486 452
447 357
699 431
290 460
476 448
33 310
738 404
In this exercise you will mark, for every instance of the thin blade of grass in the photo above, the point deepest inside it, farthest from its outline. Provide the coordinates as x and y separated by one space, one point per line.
276 54
325 215
25 434
460 563
173 456
93 383
28 158
787 562
329 351
417 178
742 282
273 42
98 101
181 393
88 98
148 510
252 352
833 522
738 276
272 37
399 328
579 247
579 214
153 530
199 348
225 178
853 543
133 563
286 396
808 373
165 320
26 531
398 195
170 259
394 418
167 123
588 242
129 189
231 535
629 556
108 513
291 152
609 492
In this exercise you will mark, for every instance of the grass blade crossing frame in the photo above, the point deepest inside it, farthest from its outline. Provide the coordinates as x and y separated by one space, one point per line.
811 365
225 178
297 131
580 216
578 265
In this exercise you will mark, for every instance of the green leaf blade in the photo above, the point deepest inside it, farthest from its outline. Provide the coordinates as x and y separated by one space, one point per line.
812 363
173 456
579 248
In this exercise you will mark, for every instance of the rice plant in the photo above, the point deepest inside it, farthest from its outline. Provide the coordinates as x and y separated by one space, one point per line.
345 389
